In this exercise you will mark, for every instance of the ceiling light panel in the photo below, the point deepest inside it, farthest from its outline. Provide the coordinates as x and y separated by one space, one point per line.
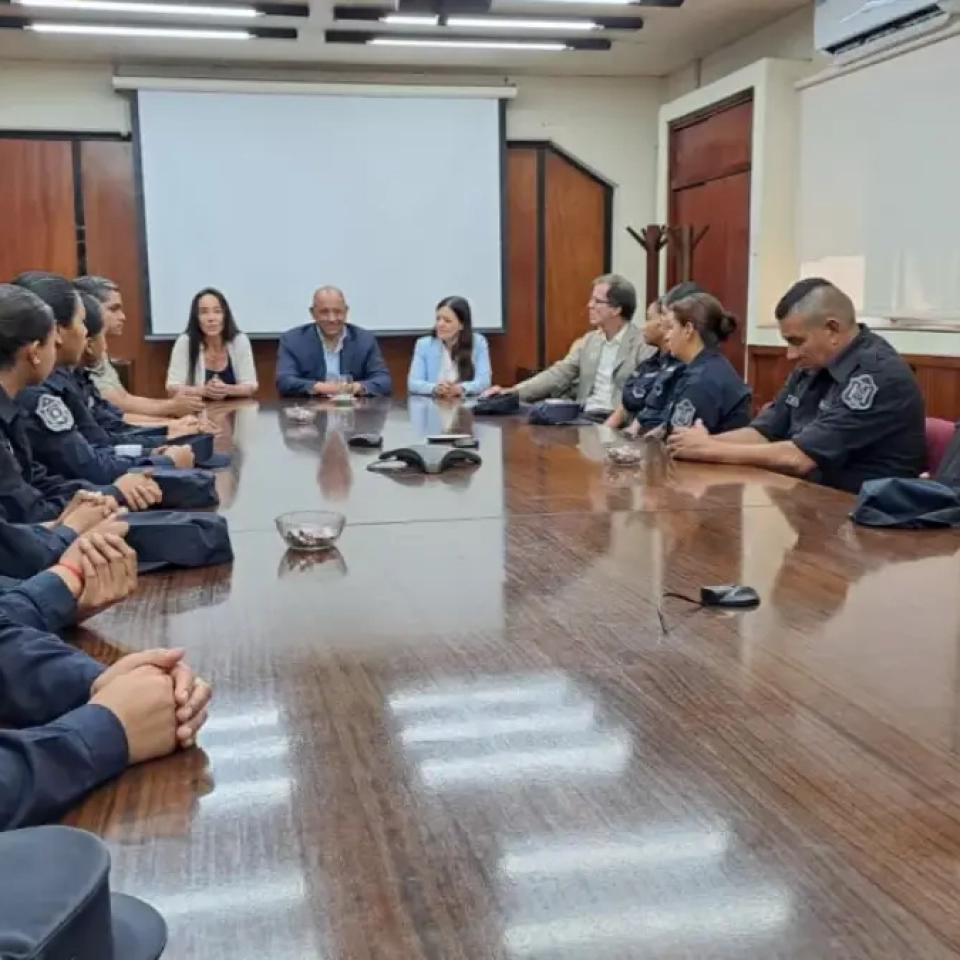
440 40
482 21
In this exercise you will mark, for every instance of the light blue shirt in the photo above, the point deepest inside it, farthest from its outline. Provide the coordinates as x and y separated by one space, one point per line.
427 365
331 357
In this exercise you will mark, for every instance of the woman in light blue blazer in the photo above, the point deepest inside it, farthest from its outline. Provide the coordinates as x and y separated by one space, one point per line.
452 361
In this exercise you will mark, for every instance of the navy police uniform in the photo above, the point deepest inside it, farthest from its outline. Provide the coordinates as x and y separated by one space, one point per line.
859 418
71 746
102 423
42 601
58 443
646 390
26 549
28 493
708 389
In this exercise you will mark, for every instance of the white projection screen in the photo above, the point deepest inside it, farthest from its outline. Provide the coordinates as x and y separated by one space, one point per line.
396 200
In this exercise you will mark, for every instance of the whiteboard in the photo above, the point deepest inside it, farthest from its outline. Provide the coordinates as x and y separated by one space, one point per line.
879 212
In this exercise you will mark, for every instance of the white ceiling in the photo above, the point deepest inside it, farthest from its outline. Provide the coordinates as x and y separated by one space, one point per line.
670 39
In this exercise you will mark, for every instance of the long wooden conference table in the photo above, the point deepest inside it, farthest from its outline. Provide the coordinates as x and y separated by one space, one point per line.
482 730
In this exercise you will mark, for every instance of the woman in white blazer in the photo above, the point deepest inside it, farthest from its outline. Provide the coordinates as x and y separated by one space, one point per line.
213 359
452 361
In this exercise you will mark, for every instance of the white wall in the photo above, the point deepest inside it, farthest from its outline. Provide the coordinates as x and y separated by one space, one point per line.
56 96
790 38
610 125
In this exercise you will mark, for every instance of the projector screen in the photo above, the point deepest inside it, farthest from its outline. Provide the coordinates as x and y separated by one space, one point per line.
396 200
878 176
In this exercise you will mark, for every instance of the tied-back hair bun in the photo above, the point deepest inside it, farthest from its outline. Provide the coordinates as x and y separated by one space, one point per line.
726 327
707 315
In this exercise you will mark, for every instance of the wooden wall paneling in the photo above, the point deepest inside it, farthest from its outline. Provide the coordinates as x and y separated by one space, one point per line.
768 370
113 250
713 145
575 225
721 259
517 350
939 379
38 227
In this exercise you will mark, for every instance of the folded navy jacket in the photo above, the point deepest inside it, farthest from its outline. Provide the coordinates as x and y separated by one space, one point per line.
202 446
907 503
164 539
557 413
185 489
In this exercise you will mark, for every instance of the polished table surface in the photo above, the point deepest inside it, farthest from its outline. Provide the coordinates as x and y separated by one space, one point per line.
484 730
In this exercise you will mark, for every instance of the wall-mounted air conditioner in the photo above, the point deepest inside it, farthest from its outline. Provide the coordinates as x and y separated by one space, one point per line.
850 29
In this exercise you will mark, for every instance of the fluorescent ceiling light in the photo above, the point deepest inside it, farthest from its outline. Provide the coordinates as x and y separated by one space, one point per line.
599 3
120 6
468 44
512 23
161 33
409 20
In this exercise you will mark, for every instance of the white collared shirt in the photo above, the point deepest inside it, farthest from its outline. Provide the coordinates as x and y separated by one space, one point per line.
602 396
448 369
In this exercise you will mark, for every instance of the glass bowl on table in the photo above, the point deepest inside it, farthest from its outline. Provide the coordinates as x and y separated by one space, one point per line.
310 530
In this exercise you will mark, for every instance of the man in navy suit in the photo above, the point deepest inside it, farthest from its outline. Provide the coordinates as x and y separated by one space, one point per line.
311 358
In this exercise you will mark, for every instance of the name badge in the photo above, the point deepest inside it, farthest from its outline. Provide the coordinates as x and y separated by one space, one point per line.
793 400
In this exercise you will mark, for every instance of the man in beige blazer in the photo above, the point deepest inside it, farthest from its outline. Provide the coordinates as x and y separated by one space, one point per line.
598 364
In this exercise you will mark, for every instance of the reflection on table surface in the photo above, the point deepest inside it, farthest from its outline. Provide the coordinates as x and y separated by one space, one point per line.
480 730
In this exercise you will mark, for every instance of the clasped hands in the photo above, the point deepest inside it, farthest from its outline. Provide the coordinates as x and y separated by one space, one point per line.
157 698
448 390
191 425
333 388
691 443
90 510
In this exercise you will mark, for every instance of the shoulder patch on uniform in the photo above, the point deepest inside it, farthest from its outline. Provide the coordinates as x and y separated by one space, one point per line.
683 413
54 414
859 392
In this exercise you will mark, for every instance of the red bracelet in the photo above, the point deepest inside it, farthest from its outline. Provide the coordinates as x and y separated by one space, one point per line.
70 568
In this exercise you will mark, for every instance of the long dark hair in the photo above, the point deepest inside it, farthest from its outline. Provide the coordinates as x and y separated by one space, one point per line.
195 334
462 353
707 315
56 292
24 318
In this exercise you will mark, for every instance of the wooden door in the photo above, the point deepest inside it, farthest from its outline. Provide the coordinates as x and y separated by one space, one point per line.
720 263
710 159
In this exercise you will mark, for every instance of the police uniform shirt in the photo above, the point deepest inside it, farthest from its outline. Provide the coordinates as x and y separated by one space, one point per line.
69 746
60 446
710 390
648 393
28 493
859 418
100 422
28 548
